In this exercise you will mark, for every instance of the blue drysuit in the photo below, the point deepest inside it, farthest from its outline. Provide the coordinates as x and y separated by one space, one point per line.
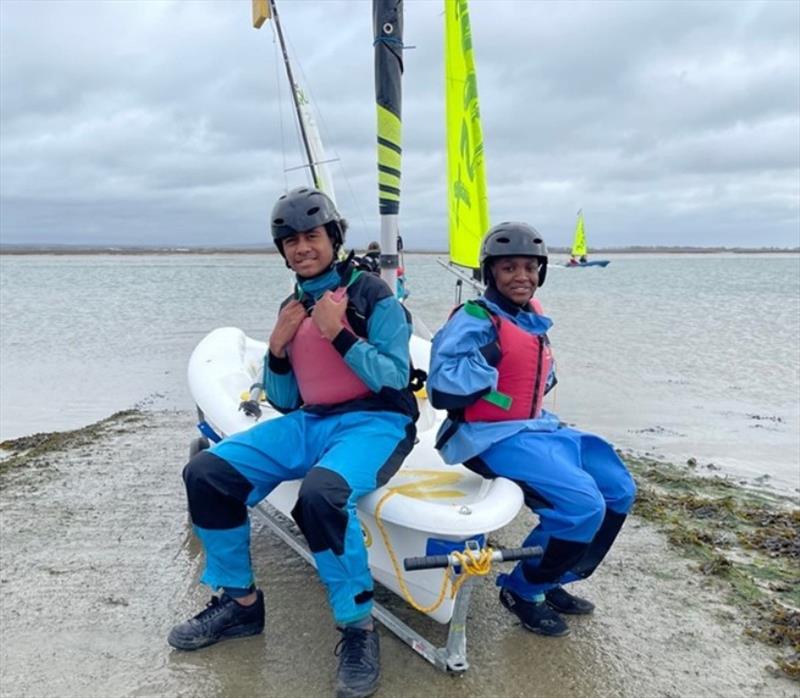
574 481
341 452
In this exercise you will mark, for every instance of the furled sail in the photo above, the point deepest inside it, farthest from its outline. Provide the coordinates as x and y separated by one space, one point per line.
467 198
322 174
309 133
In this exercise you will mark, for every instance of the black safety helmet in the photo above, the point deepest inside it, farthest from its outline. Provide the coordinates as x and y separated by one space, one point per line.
511 239
303 209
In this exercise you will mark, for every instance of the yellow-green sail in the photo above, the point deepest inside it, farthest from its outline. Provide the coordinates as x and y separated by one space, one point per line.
579 241
467 199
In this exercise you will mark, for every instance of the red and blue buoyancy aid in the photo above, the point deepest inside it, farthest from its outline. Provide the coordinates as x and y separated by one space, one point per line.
524 366
323 376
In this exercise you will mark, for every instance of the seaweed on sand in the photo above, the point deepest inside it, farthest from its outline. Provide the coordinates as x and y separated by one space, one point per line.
21 451
747 540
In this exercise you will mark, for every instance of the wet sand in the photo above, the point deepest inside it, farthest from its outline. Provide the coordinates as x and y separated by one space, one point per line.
98 562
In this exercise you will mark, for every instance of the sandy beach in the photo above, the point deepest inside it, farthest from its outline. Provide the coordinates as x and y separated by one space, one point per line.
98 562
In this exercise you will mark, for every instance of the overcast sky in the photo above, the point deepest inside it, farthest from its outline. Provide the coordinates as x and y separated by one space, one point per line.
161 122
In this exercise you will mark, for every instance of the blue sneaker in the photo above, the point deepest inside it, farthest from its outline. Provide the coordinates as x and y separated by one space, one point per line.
222 619
359 663
536 617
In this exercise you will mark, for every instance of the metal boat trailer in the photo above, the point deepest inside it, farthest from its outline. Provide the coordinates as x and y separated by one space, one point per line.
453 656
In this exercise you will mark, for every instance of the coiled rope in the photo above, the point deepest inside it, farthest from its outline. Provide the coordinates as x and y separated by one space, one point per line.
472 563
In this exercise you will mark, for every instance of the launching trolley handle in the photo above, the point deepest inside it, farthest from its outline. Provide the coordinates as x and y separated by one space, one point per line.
504 555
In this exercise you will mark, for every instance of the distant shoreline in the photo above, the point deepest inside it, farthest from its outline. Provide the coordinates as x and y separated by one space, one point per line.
257 249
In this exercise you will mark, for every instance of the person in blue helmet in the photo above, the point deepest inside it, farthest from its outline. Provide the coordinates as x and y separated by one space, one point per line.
491 365
338 367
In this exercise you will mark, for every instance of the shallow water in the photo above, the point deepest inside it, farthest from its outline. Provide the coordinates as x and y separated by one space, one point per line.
97 565
678 355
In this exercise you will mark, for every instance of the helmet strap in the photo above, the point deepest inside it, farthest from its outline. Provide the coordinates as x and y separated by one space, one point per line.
488 277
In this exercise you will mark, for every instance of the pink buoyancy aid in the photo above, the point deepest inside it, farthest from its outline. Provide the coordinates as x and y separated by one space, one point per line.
323 376
523 370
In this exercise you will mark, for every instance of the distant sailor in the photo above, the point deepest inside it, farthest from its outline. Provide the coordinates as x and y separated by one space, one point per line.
491 365
338 367
371 260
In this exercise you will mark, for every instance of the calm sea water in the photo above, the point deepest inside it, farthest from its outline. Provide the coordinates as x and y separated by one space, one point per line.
676 355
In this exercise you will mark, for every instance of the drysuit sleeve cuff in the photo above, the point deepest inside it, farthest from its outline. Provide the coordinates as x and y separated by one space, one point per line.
344 340
278 365
491 352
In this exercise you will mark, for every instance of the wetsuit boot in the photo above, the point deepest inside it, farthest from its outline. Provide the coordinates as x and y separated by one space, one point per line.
559 599
359 663
536 616
223 618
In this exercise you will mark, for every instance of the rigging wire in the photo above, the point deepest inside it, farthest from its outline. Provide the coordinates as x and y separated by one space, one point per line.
323 127
298 135
279 102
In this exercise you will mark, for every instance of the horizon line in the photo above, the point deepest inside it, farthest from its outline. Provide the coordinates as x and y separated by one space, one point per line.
106 248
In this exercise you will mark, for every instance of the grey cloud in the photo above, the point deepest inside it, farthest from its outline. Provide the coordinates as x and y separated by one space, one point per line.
155 121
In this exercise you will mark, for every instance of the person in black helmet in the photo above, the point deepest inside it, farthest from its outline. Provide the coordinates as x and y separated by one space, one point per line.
371 260
338 368
491 365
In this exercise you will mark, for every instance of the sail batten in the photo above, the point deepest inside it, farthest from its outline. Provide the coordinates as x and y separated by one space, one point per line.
468 201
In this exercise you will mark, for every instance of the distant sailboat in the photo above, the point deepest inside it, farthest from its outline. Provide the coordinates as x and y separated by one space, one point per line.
578 256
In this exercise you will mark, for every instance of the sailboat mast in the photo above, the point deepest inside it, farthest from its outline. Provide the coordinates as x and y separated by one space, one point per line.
295 99
387 25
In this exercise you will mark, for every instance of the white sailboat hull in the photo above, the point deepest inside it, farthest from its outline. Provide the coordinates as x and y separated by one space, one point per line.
430 502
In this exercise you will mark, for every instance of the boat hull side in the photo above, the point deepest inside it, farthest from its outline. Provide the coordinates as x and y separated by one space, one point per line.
425 500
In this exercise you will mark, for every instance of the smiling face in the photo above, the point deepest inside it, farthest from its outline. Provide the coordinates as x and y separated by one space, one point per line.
309 253
517 278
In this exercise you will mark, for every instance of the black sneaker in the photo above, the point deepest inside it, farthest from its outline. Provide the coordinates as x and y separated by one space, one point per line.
559 599
359 663
536 617
223 618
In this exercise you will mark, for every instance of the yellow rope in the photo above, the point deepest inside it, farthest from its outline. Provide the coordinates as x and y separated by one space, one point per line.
476 564
472 564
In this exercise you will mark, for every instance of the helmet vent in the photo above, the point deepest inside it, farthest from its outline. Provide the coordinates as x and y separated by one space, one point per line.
538 241
303 209
504 240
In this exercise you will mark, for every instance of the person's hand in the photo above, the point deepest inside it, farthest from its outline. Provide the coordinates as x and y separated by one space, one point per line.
289 319
328 314
251 408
